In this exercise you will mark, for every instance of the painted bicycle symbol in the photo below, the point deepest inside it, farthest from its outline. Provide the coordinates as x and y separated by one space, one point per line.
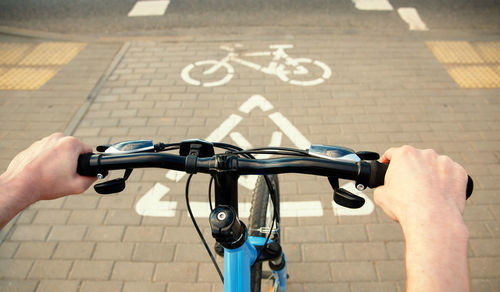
296 71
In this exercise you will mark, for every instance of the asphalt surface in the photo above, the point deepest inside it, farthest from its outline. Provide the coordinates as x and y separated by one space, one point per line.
91 17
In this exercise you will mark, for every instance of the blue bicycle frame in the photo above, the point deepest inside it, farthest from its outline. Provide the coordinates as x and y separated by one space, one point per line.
238 262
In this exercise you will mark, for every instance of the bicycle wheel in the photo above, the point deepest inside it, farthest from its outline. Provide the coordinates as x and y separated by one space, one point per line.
213 72
261 220
307 67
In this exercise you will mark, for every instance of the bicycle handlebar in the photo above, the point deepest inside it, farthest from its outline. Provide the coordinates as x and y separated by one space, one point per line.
368 174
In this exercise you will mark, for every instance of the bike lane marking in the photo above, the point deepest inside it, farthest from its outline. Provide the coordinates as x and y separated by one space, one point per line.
151 204
149 8
408 14
277 66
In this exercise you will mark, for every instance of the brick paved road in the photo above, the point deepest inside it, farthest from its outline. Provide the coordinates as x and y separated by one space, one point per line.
382 92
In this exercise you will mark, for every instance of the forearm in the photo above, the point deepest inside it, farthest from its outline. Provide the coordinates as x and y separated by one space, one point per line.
14 197
436 255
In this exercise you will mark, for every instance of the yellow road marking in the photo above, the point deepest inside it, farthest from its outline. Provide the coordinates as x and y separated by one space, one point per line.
490 52
12 53
52 54
28 66
475 76
454 52
470 64
25 78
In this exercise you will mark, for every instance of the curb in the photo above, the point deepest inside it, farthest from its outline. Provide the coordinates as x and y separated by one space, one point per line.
77 118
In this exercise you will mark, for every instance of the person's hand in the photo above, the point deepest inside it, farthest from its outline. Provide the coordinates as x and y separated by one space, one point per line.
47 169
420 184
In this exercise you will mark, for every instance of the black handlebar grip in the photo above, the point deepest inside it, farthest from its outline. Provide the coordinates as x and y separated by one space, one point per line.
83 167
470 187
377 174
378 171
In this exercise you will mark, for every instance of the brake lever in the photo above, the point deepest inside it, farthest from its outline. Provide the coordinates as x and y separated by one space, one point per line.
343 197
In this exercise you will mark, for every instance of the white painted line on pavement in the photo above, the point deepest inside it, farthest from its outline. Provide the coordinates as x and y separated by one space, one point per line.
290 131
381 5
149 8
151 204
410 15
256 101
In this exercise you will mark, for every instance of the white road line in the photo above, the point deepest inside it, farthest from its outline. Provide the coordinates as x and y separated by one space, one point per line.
256 101
410 15
290 131
151 205
149 8
381 5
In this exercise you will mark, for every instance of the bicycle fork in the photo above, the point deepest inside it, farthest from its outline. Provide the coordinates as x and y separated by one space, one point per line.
240 250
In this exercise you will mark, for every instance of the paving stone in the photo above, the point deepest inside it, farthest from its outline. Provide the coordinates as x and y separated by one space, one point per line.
143 233
365 251
346 233
91 270
74 250
105 233
8 249
50 269
8 285
391 270
58 285
113 251
91 286
323 252
51 216
154 252
181 272
35 250
134 271
67 233
144 286
353 271
14 268
188 287
90 217
30 232
304 234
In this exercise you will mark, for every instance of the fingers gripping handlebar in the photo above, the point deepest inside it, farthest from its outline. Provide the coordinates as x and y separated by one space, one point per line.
378 171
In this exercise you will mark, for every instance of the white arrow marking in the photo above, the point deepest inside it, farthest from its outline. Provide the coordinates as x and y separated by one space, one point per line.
367 208
373 5
256 101
410 15
151 205
290 131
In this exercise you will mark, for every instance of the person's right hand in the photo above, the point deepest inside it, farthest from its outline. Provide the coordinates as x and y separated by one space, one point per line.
421 185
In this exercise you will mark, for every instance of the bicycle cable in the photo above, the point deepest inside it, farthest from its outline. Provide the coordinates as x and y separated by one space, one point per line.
199 231
272 194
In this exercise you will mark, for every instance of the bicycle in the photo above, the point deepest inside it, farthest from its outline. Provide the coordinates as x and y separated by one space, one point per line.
278 66
244 248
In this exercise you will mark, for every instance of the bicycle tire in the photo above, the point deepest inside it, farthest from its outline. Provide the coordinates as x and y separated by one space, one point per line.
326 72
259 217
